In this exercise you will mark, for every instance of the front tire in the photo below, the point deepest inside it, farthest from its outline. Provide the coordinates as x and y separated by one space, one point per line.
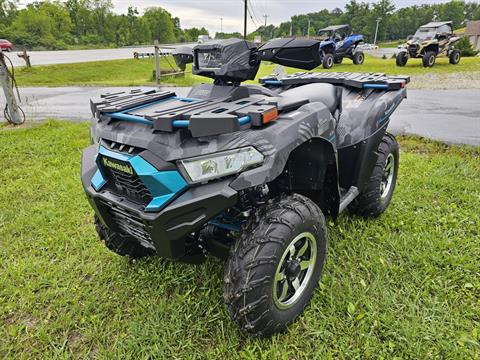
378 192
454 57
429 59
402 58
328 61
275 265
358 58
122 245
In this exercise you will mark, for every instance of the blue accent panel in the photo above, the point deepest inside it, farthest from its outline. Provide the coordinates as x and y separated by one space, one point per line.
112 154
163 185
244 120
375 86
181 123
98 180
273 82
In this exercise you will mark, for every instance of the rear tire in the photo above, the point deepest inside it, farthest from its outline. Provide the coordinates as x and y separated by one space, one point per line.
402 58
429 59
455 57
378 192
275 265
358 58
120 244
327 62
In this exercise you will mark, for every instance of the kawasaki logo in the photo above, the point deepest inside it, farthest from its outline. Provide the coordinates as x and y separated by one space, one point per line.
117 166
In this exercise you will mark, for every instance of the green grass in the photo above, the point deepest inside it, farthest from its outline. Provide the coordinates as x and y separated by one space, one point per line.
406 285
139 72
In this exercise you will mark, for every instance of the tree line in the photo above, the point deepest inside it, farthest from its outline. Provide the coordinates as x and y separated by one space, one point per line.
361 16
58 25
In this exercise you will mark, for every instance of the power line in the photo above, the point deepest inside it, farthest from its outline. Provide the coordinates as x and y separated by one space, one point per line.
257 19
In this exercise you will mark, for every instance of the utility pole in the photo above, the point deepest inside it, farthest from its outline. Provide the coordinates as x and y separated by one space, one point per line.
245 20
13 110
291 28
376 31
221 25
308 29
265 17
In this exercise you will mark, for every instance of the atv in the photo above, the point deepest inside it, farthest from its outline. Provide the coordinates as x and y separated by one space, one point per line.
430 41
339 42
246 173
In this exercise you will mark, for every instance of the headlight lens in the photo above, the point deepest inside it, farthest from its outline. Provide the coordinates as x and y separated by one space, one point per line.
212 166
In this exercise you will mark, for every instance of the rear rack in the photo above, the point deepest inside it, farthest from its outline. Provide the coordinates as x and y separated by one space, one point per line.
355 80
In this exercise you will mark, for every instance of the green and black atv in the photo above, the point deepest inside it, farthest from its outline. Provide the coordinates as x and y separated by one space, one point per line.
430 41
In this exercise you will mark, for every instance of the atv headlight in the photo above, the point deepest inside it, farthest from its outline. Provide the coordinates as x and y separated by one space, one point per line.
212 166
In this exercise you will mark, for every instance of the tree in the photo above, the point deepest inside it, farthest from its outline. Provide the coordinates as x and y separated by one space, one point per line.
161 24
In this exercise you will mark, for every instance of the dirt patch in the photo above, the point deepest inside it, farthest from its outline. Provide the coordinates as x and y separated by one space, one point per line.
436 81
20 319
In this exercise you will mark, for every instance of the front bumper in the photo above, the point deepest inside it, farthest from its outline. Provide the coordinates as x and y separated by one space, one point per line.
166 229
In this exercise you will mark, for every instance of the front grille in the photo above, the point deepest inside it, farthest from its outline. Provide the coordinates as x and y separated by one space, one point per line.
128 223
412 49
129 186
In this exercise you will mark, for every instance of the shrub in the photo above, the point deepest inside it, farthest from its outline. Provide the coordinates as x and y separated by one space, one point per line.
465 47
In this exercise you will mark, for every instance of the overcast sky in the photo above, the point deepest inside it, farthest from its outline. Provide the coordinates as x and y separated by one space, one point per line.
207 13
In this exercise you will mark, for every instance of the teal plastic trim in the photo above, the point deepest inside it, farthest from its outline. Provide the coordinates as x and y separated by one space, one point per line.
98 180
163 185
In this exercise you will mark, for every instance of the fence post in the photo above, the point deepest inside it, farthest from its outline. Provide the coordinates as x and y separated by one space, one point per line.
157 64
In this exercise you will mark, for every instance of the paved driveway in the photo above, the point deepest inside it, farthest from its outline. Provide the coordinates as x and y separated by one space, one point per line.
452 116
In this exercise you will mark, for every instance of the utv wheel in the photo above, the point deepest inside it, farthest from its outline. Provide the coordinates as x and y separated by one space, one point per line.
455 57
327 61
123 245
429 58
402 58
275 265
358 58
376 197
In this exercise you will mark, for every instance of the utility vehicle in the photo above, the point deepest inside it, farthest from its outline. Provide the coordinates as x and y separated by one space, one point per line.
339 42
430 41
246 173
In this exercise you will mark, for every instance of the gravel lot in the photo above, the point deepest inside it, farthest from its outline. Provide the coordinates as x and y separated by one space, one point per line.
432 81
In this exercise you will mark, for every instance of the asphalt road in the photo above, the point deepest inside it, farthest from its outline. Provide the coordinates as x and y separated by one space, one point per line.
74 56
451 116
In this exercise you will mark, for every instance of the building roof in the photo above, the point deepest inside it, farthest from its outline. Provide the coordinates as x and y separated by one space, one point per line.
437 24
473 28
334 28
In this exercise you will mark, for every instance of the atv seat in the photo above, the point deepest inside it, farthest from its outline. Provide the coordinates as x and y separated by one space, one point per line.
328 94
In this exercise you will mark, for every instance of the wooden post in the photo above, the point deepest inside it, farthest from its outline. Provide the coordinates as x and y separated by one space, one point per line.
157 64
12 107
25 57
